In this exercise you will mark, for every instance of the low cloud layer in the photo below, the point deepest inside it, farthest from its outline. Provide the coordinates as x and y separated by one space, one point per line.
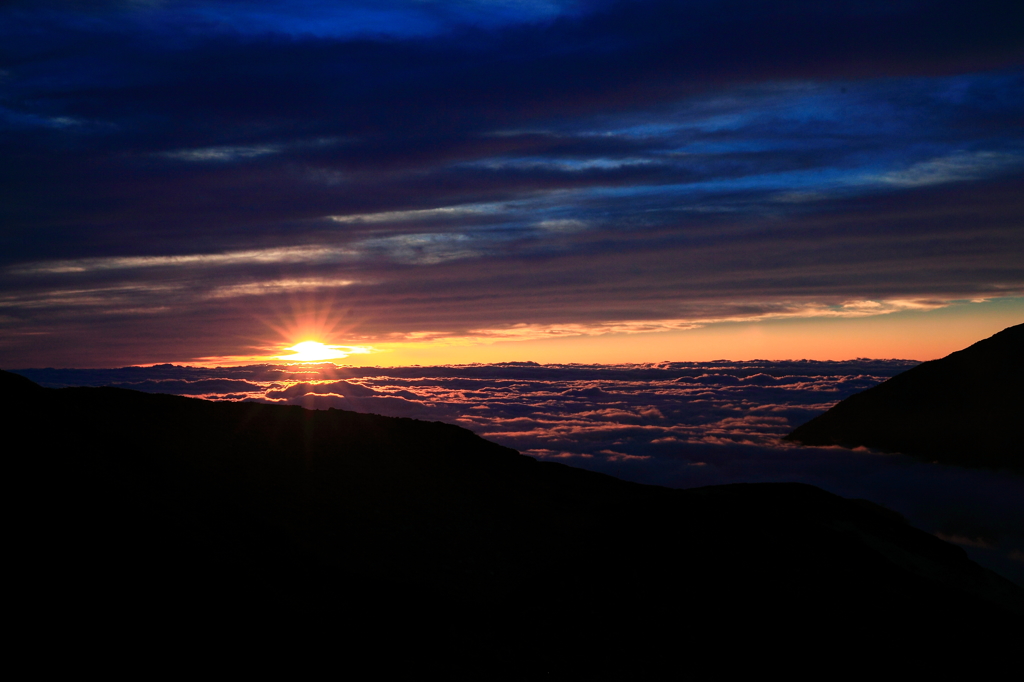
672 424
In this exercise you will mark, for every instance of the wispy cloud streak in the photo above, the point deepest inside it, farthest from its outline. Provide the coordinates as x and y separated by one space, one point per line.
502 169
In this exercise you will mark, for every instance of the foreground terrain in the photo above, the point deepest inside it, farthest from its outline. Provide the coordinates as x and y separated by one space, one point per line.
963 409
422 536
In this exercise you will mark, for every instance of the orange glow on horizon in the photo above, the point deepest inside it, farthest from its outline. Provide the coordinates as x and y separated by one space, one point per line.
908 334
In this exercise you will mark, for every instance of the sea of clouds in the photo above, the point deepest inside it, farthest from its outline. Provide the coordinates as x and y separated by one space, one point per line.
678 424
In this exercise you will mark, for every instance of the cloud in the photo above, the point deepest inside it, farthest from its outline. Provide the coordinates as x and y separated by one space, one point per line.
523 331
479 172
427 249
444 212
956 167
672 424
203 387
222 154
343 388
302 254
265 288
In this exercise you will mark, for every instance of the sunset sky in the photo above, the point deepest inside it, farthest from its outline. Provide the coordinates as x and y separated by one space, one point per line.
430 181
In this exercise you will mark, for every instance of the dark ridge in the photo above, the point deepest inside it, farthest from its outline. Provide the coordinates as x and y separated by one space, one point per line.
391 538
14 386
964 409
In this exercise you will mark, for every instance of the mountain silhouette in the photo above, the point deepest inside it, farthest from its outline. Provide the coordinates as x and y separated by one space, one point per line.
394 537
962 409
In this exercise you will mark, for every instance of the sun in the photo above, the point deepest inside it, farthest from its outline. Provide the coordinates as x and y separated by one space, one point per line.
314 351
313 326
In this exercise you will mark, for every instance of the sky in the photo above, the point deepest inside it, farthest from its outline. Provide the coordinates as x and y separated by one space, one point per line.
434 182
675 424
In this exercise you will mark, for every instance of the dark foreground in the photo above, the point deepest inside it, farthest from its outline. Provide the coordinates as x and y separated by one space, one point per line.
963 409
419 543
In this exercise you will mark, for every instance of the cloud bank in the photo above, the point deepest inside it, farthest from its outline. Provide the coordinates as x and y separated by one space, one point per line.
672 424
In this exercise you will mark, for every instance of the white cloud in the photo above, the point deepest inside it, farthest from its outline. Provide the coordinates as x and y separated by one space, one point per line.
953 168
89 297
528 332
566 225
420 214
222 154
425 249
291 254
277 286
566 165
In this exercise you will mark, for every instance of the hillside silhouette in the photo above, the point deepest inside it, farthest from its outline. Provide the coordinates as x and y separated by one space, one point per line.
422 538
962 409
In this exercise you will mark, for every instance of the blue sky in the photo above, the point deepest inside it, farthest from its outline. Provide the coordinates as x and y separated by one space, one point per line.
176 173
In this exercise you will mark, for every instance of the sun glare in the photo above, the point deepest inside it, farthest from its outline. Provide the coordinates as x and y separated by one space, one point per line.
314 351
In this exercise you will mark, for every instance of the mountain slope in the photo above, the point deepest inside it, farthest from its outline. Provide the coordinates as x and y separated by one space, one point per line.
153 509
962 409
